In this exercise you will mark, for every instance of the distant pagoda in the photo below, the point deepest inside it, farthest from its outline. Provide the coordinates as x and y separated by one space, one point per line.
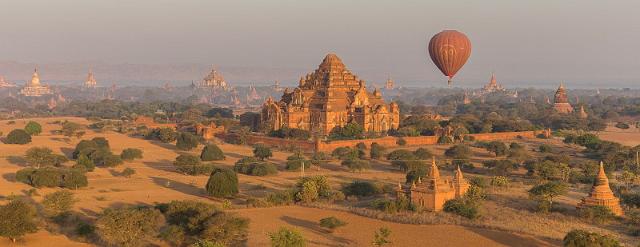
5 84
561 101
493 85
213 80
582 113
601 194
389 84
34 88
91 81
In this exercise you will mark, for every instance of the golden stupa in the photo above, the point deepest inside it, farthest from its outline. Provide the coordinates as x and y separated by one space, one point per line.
601 194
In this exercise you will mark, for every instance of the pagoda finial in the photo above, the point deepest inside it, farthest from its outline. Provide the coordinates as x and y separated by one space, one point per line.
434 173
601 178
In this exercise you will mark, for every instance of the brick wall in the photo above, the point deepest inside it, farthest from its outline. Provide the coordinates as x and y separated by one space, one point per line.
388 141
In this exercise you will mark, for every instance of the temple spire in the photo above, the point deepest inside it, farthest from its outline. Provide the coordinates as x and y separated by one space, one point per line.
601 178
434 173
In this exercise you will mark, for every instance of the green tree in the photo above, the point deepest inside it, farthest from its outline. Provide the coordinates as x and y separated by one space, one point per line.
460 153
40 156
131 154
545 193
497 147
381 237
222 183
211 152
18 136
128 226
261 151
83 162
58 203
348 132
17 218
69 129
285 237
377 151
33 128
187 141
582 238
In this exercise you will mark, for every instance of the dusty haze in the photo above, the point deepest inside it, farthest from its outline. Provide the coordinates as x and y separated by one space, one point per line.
584 43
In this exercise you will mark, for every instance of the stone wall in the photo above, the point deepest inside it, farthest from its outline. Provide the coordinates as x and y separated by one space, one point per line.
388 141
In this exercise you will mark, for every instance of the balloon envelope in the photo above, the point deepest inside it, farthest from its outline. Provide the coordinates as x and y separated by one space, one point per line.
449 51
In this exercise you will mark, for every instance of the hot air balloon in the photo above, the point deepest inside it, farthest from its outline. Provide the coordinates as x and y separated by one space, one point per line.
449 51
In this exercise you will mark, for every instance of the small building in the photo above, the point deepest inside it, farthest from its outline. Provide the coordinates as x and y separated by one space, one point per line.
601 194
434 191
561 101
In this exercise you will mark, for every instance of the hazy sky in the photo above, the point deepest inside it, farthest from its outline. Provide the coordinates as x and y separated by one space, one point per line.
581 42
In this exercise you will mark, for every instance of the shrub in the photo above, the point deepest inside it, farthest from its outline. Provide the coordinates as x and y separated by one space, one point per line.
356 164
377 151
345 153
422 154
262 152
18 136
445 140
201 169
581 238
74 179
251 166
84 229
621 125
52 177
165 134
131 154
500 167
458 152
222 183
597 214
186 141
332 223
295 161
58 203
309 189
499 181
186 160
380 238
361 188
110 161
401 154
319 158
291 133
462 207
33 128
361 146
280 198
285 237
498 148
349 132
393 206
17 218
545 148
128 226
413 175
211 152
401 142
127 172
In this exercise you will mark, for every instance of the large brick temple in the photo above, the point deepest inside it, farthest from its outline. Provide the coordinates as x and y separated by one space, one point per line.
329 97
561 101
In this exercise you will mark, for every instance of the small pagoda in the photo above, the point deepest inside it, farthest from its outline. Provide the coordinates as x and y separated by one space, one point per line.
561 101
434 191
601 194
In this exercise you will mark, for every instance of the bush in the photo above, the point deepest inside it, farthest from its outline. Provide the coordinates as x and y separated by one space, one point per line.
222 183
458 152
58 203
127 172
262 152
581 238
401 154
393 206
377 151
332 223
413 175
498 148
621 125
17 219
253 167
309 189
545 193
356 164
43 156
280 198
349 132
319 158
287 238
462 207
165 134
211 152
597 214
445 140
361 188
110 161
128 226
401 142
33 128
187 141
202 169
295 161
345 153
422 154
361 146
18 136
52 177
131 154
291 133
186 160
74 179
545 148
499 181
